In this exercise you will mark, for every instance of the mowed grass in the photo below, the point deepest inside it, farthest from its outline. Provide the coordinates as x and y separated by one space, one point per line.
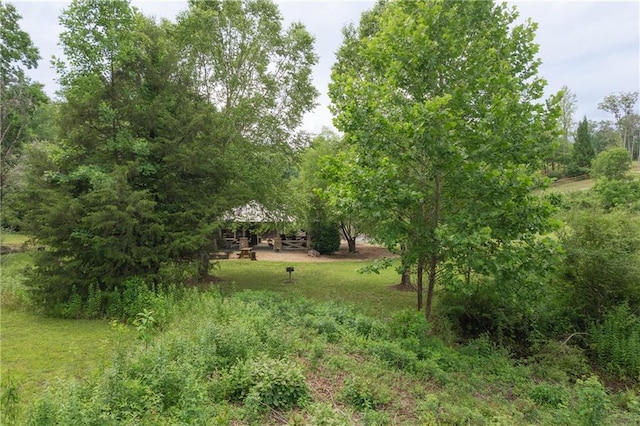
340 281
37 350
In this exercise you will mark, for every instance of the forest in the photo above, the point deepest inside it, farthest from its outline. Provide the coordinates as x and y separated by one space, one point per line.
511 294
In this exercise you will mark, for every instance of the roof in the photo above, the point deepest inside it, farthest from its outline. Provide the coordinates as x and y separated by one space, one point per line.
254 212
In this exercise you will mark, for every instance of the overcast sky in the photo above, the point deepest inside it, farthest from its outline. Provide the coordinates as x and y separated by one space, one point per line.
591 47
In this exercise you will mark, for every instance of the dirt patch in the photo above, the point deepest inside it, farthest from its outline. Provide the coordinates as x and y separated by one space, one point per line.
364 252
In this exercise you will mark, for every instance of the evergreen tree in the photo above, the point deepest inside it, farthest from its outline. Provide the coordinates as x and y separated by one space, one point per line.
583 151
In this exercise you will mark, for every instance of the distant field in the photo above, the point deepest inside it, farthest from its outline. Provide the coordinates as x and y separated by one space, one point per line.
571 186
12 239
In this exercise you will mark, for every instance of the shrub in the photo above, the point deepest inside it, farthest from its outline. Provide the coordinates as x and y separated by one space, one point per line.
616 193
613 164
547 394
274 383
591 400
325 236
365 393
602 264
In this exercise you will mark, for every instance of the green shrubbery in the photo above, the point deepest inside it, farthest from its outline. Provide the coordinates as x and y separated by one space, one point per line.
249 359
615 342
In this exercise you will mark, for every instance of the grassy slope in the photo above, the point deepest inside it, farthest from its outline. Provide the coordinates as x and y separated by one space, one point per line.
583 185
36 350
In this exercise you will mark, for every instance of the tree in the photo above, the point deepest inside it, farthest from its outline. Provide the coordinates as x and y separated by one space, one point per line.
604 136
613 164
313 179
258 76
146 163
583 147
133 183
19 96
568 106
622 107
440 103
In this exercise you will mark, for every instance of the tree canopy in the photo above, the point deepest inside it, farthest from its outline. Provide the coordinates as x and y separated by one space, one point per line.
149 157
19 96
442 108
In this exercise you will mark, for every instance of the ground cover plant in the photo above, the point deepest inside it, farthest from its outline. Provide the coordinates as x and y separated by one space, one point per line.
268 358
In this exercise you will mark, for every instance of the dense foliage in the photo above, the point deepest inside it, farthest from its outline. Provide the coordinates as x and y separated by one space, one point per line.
442 110
19 96
614 163
151 153
260 358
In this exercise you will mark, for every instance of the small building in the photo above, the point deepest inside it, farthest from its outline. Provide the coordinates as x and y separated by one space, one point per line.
253 224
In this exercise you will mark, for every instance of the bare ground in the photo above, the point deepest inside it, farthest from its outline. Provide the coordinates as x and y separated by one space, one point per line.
364 251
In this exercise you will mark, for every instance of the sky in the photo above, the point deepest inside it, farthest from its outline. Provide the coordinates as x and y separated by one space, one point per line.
592 47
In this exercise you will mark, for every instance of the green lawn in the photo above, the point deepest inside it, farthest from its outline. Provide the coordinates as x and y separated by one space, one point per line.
322 281
37 350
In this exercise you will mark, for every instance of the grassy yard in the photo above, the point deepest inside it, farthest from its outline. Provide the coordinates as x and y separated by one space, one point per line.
38 350
328 281
35 350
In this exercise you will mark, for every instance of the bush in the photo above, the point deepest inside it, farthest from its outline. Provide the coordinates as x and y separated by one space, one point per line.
365 393
592 401
613 164
325 236
552 395
617 193
274 383
602 264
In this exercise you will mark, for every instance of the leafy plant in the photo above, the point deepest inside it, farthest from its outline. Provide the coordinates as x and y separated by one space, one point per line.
9 401
592 401
266 382
365 393
615 342
145 323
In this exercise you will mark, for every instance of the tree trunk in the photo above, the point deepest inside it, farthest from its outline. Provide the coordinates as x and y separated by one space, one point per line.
420 271
433 256
348 236
433 266
203 265
352 244
405 281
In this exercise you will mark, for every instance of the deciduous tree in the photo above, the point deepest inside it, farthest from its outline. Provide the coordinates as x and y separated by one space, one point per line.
442 106
622 106
19 96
